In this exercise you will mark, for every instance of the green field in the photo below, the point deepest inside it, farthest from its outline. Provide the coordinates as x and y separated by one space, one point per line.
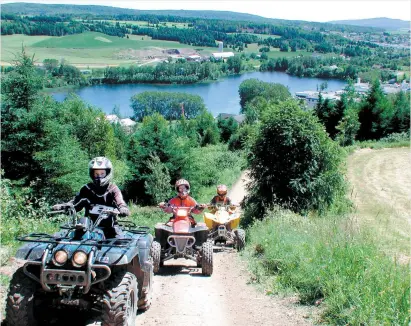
87 48
97 49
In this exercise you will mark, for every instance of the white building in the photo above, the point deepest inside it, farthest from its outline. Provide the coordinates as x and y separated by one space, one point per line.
222 55
311 97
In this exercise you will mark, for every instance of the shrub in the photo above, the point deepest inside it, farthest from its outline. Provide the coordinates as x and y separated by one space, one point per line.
293 162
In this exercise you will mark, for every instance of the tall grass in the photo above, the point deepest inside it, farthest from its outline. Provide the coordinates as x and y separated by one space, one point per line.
329 262
391 141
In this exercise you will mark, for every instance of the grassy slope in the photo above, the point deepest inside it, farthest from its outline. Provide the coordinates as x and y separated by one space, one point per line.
89 47
354 266
97 48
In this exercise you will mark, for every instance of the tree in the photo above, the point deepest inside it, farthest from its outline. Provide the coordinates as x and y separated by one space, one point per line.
21 86
227 128
153 138
50 64
158 182
235 64
251 88
23 117
168 104
329 113
293 163
373 115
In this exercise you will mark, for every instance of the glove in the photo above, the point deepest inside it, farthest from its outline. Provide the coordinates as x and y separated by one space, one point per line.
124 211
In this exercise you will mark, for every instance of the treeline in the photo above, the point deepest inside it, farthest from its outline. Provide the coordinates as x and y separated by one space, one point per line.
369 117
56 26
177 72
194 36
60 73
353 117
46 145
333 67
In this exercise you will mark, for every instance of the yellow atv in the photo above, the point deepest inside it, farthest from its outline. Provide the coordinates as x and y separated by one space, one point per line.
223 222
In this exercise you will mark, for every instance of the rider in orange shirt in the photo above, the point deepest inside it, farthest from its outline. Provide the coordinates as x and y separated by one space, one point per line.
182 199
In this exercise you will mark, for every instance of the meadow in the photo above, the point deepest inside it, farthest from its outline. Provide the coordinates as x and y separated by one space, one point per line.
86 48
99 50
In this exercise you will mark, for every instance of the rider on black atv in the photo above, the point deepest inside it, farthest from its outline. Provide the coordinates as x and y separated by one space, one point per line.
182 199
100 192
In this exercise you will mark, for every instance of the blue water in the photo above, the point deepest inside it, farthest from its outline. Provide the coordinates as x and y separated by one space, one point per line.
219 97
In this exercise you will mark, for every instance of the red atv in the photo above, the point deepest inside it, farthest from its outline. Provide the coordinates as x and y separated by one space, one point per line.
180 238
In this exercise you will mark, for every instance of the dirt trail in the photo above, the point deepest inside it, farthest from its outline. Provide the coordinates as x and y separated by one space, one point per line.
182 296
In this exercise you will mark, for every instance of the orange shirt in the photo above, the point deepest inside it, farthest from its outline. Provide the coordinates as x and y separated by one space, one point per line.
187 202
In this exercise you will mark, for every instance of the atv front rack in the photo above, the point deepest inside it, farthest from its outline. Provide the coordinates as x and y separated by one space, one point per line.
47 238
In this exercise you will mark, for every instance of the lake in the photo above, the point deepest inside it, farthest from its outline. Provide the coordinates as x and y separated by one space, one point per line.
219 97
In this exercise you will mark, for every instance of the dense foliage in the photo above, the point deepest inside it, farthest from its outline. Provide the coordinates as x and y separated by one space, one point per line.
46 145
169 105
293 163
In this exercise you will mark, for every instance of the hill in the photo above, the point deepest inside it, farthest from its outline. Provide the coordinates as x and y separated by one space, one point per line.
21 8
385 23
58 9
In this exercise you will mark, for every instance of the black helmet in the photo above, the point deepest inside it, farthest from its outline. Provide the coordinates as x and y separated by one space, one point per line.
101 163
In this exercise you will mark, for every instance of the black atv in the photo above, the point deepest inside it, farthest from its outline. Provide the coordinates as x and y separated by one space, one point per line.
79 268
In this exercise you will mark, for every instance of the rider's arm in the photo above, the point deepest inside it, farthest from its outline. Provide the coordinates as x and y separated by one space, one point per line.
197 208
119 201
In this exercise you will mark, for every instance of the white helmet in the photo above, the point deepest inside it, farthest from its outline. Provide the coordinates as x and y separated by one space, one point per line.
101 163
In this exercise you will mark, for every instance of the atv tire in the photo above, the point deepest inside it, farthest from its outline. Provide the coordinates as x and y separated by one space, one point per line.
20 300
146 294
240 239
156 255
207 258
120 300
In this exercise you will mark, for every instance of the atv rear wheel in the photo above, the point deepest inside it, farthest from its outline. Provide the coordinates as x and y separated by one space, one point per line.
240 239
156 255
20 300
120 300
207 258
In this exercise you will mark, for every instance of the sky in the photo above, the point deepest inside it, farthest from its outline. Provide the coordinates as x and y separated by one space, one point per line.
309 10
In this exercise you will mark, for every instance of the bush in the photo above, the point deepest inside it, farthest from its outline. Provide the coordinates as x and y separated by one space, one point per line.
293 163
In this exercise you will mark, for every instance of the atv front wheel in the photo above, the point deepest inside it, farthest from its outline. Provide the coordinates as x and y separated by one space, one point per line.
156 255
207 258
120 300
20 300
146 294
240 239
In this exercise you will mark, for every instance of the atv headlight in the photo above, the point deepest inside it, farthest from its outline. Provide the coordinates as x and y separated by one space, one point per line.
60 257
79 258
